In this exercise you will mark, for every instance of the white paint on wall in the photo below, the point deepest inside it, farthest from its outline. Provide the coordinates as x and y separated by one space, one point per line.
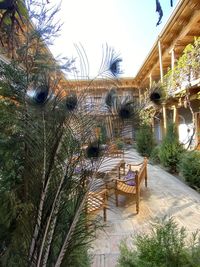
185 133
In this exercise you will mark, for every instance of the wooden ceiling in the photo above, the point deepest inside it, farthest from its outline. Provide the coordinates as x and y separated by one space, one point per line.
180 30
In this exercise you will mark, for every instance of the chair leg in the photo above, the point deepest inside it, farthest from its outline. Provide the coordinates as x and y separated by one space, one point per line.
137 192
104 214
137 201
116 198
145 181
137 207
146 177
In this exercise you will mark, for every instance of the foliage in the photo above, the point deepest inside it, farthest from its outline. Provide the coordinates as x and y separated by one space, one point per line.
190 167
144 140
35 144
103 136
186 68
11 153
170 149
154 157
37 177
165 246
43 220
119 143
146 116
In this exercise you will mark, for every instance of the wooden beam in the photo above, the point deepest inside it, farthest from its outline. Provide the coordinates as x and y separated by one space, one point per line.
160 60
194 19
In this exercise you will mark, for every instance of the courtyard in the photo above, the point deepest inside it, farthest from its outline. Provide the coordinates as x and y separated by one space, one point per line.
165 195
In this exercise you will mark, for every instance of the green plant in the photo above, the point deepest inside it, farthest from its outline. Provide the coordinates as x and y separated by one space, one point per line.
42 202
182 71
43 219
154 157
119 143
144 140
170 149
103 136
190 168
165 246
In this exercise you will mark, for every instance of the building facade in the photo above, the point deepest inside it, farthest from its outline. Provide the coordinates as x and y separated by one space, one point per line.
174 63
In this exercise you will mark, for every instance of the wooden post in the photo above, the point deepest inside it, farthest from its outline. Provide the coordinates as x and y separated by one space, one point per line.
175 117
164 119
172 58
160 61
174 114
139 93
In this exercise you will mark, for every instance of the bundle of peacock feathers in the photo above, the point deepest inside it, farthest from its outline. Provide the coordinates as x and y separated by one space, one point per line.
53 151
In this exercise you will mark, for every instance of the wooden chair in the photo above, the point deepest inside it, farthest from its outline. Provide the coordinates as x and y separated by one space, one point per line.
113 151
97 201
122 185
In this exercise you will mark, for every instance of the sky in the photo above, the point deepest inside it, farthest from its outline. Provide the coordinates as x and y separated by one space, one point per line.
129 26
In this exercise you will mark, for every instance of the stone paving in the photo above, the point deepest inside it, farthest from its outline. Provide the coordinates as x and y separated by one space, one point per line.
165 195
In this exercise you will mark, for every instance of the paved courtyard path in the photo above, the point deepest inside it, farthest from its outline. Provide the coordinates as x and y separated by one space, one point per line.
165 196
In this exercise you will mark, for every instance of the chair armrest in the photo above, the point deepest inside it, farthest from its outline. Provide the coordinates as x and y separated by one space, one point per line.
128 180
135 164
123 181
115 180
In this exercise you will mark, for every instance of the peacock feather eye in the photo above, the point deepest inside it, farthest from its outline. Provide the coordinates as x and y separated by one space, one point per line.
93 151
115 68
39 96
155 97
7 4
125 112
71 102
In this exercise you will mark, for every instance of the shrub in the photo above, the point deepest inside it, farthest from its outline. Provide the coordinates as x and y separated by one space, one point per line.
119 143
103 136
171 149
164 247
190 168
144 140
154 157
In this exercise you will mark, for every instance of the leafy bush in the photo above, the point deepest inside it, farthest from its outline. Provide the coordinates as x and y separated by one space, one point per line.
103 136
171 149
119 143
144 140
190 167
164 247
154 157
